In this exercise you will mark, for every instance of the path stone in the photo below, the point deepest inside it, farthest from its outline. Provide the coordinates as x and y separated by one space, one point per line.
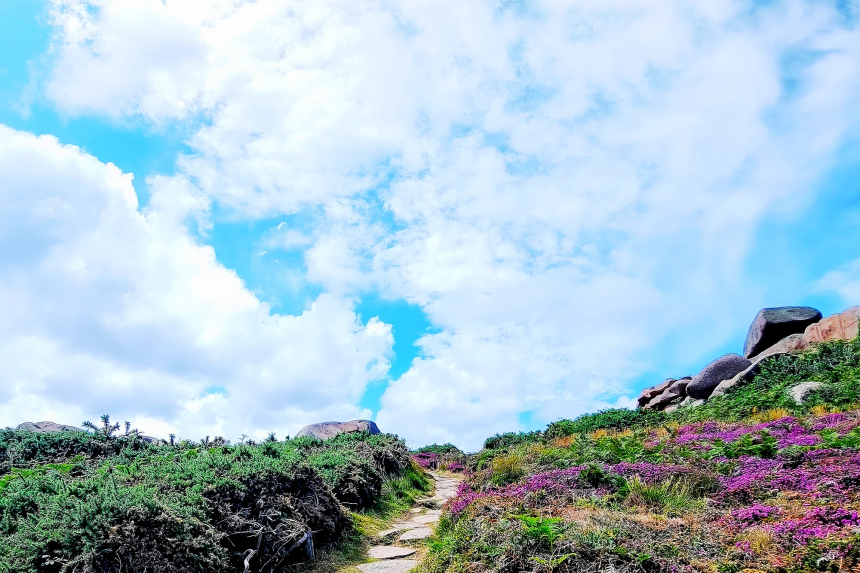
407 525
389 552
397 529
389 566
427 518
416 528
420 533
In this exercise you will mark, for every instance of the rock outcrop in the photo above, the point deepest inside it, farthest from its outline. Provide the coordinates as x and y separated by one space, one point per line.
723 368
326 430
674 392
44 427
649 394
773 324
841 326
774 331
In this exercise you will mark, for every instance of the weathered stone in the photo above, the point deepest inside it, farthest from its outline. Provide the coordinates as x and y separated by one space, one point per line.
407 525
426 518
691 402
773 324
723 368
801 391
792 343
675 390
649 394
841 326
388 566
44 427
393 530
389 552
787 345
420 533
326 430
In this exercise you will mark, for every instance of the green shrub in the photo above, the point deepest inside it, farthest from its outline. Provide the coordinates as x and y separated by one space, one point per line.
506 469
671 496
836 364
761 444
119 504
442 450
509 439
612 419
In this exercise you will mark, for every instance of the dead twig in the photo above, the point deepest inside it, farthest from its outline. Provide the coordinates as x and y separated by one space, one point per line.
249 554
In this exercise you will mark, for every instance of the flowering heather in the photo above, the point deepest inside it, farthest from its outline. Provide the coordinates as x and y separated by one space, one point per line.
788 431
456 467
557 481
823 473
818 523
721 494
427 460
752 514
651 473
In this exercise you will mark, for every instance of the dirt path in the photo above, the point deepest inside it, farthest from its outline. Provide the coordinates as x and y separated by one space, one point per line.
401 541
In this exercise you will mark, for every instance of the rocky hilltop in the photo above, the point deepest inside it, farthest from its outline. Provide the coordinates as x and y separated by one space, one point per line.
774 331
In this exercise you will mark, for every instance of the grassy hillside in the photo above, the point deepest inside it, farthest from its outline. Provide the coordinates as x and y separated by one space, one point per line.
749 481
71 501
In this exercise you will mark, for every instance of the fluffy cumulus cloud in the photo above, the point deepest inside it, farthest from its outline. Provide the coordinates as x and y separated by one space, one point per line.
113 309
845 281
561 186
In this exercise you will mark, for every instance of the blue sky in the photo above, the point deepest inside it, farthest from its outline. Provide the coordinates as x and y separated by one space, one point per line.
142 149
455 231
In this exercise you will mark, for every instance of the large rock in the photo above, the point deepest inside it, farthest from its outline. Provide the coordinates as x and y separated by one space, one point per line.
773 324
723 368
44 427
842 326
675 392
801 391
326 430
789 344
649 394
389 552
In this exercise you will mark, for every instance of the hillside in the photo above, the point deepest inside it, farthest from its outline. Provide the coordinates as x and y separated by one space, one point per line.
759 471
764 476
106 502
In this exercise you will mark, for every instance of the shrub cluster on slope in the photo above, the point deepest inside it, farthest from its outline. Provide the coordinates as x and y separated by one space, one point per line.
749 481
71 501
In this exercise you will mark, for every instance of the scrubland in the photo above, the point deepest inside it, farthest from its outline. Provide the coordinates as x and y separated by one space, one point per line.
747 481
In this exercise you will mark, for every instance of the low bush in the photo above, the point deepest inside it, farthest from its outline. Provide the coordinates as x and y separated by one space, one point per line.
612 419
506 469
835 364
442 450
509 439
88 502
748 481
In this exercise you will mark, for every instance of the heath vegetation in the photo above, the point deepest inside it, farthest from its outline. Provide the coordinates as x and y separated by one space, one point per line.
748 481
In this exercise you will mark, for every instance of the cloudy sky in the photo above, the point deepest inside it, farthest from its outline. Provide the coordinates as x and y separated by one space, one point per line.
227 217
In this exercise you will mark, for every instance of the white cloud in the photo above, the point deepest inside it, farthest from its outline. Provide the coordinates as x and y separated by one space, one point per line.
561 186
845 281
114 310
